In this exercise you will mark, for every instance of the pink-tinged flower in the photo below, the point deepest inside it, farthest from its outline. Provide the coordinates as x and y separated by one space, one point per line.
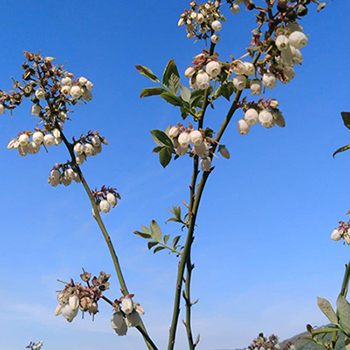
243 127
251 116
336 236
118 323
174 131
73 300
202 80
255 87
58 310
184 139
266 119
205 164
196 137
189 72
105 207
298 40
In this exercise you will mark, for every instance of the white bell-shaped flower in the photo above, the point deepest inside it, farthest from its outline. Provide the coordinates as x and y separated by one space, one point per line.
118 323
255 87
36 109
23 139
2 108
202 80
298 40
213 69
189 72
196 137
215 38
133 319
105 207
216 26
95 140
68 313
243 127
249 69
40 93
49 140
269 80
76 92
251 116
89 149
55 177
111 199
78 148
38 137
80 158
174 131
73 301
127 305
336 236
240 82
266 119
201 150
184 139
282 42
234 9
205 164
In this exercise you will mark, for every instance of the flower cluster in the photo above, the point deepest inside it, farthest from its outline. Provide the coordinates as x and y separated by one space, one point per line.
88 145
35 346
63 174
25 145
342 232
75 296
106 198
270 343
203 20
264 112
183 137
81 88
126 314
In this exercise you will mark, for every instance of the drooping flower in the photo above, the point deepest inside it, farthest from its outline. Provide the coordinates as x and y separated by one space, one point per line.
269 80
213 69
243 127
205 164
298 40
251 116
266 119
202 80
196 137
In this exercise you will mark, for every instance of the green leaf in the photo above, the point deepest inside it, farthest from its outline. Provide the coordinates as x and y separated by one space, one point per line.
341 149
147 73
174 84
165 156
158 249
157 149
169 70
151 244
145 229
162 139
225 90
185 93
343 309
166 238
172 99
196 98
346 119
327 309
175 241
153 91
156 231
142 234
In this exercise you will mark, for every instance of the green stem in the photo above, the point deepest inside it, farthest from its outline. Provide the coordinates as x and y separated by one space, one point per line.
345 285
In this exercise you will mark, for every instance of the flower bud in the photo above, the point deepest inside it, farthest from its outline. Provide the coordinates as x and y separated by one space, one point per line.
240 82
269 80
199 18
266 119
298 40
76 178
181 22
346 238
255 87
189 72
49 140
216 25
251 116
105 207
36 109
202 80
68 313
89 149
66 81
23 139
239 67
65 90
201 150
287 75
224 151
282 42
133 319
93 309
249 68
73 300
40 93
174 132
205 164
243 127
184 139
139 309
213 69
336 236
58 141
80 158
196 137
95 140
234 9
215 38
127 305
78 148
12 144
76 92
58 310
111 199
82 81
38 137
118 323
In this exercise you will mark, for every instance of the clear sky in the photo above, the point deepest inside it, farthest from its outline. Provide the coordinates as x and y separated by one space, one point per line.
262 251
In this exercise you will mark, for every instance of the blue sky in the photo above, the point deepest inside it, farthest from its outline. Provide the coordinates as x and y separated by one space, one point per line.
262 251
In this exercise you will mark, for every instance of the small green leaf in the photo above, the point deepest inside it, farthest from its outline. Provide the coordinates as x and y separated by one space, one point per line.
185 93
172 99
327 309
168 71
162 139
175 241
165 156
174 84
147 73
196 98
156 231
158 249
151 244
157 149
151 91
346 119
145 229
166 239
142 234
341 149
343 309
